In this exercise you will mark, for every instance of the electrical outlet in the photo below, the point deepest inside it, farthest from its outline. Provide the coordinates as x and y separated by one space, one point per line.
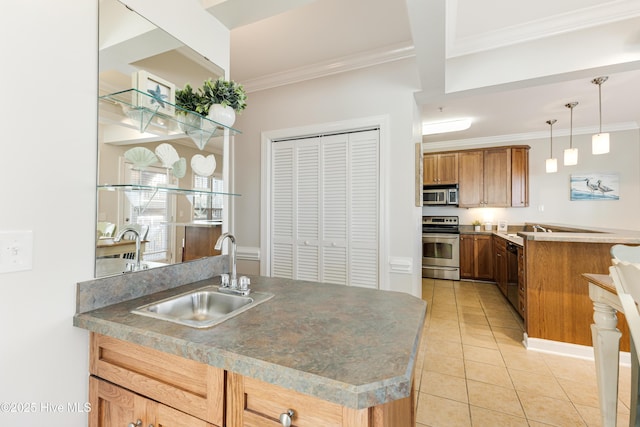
16 251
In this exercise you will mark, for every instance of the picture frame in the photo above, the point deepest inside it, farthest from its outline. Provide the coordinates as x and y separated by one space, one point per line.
503 226
160 93
594 186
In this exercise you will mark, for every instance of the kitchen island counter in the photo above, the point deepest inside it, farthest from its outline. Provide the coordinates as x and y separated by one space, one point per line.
352 346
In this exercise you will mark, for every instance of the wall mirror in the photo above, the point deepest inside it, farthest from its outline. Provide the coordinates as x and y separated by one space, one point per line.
145 176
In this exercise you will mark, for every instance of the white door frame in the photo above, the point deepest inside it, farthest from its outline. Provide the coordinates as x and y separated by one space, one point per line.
267 138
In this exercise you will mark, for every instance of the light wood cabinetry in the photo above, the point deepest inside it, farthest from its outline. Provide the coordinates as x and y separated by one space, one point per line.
254 403
130 382
440 169
112 405
187 386
500 263
476 256
491 177
199 242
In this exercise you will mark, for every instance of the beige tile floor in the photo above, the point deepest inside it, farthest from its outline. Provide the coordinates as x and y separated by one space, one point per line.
472 369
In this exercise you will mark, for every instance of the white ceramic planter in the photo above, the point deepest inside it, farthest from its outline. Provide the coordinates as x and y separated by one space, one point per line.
224 115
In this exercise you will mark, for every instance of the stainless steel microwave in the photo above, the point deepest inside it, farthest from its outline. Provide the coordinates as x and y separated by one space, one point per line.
440 196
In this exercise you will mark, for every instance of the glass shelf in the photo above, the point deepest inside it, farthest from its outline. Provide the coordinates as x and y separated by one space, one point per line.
170 190
144 110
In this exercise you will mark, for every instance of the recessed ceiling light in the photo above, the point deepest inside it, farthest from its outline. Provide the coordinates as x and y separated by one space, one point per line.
446 126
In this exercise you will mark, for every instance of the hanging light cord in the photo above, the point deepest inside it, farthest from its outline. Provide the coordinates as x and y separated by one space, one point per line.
550 123
600 104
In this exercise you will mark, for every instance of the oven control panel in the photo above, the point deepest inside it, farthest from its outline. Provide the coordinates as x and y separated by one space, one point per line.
440 220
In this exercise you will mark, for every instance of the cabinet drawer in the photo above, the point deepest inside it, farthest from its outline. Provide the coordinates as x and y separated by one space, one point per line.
189 386
253 403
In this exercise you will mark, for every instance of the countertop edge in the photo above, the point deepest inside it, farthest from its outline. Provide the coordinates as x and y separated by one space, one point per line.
353 396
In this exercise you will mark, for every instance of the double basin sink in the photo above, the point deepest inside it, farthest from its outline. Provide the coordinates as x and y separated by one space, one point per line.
202 308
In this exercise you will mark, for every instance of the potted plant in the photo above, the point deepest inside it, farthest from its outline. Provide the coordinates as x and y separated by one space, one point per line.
188 100
221 99
476 225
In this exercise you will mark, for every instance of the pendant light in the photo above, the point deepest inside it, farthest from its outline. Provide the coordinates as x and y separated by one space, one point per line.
571 154
551 163
600 141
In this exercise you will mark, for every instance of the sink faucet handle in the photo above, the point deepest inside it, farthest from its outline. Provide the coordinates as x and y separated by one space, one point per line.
224 280
244 283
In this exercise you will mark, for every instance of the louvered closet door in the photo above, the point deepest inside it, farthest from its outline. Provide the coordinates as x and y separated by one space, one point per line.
325 209
334 228
307 209
282 209
363 215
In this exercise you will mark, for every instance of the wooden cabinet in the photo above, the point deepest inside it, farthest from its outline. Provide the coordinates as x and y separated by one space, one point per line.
114 406
254 403
186 386
522 286
492 177
500 263
199 242
476 256
440 168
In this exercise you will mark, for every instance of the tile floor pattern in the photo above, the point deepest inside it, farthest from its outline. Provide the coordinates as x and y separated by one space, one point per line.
472 369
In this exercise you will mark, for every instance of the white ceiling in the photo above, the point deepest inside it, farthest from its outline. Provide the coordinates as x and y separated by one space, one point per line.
509 65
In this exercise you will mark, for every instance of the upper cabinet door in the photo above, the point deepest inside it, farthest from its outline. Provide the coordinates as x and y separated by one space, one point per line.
497 177
519 177
470 176
440 169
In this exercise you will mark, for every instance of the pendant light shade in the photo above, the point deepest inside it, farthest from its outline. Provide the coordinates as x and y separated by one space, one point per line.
600 141
571 154
551 164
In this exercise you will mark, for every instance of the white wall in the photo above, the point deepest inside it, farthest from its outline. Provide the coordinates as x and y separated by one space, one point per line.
47 185
378 91
47 178
551 191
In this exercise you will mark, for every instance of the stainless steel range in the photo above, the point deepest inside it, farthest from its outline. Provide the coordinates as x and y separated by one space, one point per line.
441 247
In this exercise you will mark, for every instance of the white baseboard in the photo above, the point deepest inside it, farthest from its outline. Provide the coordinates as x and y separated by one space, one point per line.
248 253
567 349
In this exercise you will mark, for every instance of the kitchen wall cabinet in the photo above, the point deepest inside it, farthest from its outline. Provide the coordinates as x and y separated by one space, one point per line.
476 256
493 177
144 377
199 241
114 406
440 169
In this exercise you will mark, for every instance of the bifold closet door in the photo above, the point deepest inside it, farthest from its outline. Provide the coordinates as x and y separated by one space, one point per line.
324 213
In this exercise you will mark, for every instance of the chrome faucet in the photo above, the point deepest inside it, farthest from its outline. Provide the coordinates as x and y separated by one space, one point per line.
136 265
233 282
539 227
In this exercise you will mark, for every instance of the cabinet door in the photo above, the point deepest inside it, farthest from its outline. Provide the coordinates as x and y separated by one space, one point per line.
430 169
522 285
483 256
470 177
467 263
448 168
519 177
165 416
500 264
497 177
113 406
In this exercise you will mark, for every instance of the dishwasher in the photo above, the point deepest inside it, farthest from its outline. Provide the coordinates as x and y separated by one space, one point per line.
512 274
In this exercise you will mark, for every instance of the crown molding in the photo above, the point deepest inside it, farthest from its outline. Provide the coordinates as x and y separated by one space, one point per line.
390 53
486 141
609 12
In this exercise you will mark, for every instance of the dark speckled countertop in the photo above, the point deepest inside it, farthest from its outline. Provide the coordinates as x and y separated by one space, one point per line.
353 346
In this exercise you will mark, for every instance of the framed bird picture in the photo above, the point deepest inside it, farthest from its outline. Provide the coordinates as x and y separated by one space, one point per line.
156 94
595 186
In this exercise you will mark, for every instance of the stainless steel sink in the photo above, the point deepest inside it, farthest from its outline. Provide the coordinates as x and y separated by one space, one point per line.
201 308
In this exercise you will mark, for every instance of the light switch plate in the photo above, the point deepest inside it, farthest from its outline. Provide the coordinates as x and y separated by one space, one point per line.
16 251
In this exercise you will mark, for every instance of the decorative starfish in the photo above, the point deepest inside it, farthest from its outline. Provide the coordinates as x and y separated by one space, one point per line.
157 96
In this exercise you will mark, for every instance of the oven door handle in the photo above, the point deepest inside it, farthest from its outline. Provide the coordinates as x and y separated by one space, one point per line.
441 238
440 268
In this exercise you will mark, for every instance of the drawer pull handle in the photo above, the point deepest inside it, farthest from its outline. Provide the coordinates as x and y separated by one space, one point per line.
137 424
285 418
